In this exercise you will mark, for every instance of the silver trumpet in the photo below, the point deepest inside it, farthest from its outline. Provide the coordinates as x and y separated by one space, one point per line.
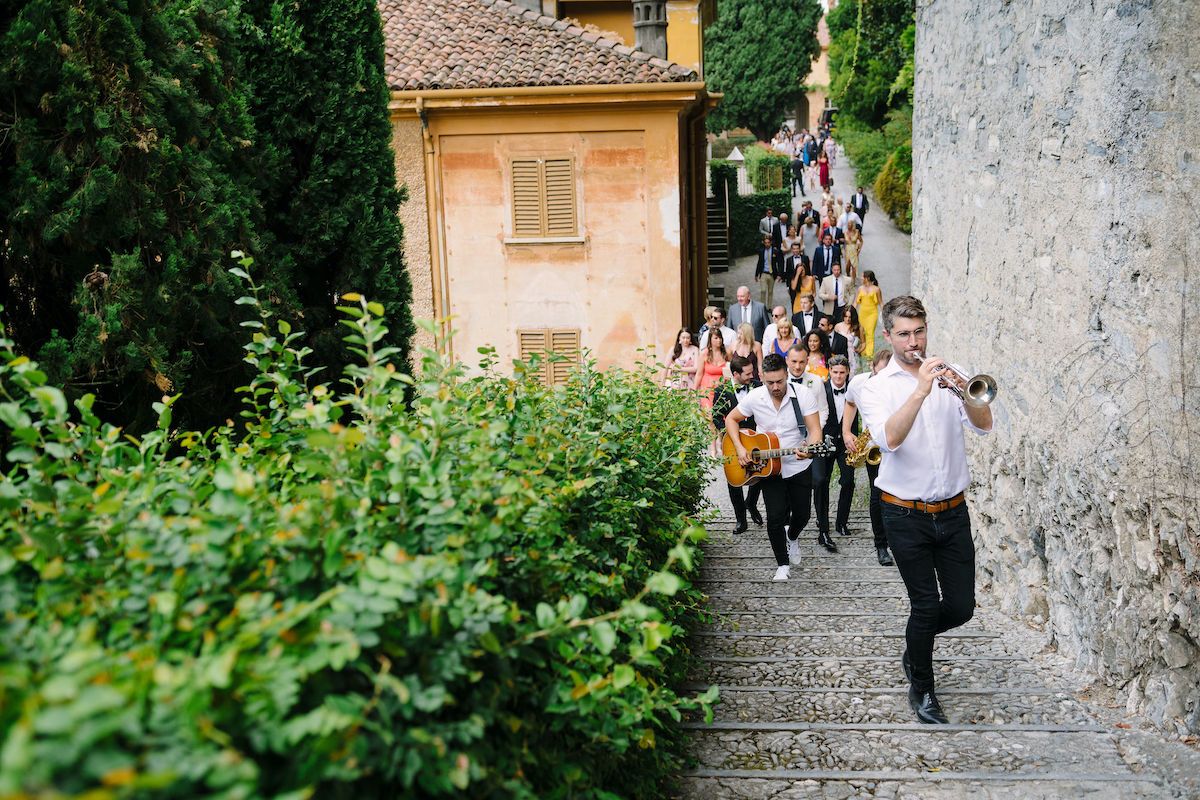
981 389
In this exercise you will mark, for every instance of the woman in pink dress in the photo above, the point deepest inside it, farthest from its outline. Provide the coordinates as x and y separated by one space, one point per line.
709 372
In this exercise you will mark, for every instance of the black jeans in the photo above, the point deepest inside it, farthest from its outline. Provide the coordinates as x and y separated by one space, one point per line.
788 504
876 510
740 503
933 552
821 480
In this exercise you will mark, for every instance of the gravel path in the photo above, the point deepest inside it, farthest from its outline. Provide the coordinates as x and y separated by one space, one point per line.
814 705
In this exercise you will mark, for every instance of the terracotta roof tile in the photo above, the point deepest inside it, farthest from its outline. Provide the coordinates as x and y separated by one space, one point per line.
487 44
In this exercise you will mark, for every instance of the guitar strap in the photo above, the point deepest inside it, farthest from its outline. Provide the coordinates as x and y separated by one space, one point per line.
799 418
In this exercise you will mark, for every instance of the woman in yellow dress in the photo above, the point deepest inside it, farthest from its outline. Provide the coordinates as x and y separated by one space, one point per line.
867 301
803 283
852 249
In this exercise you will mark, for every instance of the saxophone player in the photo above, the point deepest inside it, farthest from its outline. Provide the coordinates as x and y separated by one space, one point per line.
882 357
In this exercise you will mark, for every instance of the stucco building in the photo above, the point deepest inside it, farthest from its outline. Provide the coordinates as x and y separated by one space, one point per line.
816 95
555 181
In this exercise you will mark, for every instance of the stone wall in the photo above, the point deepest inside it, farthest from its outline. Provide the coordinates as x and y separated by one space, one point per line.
1056 244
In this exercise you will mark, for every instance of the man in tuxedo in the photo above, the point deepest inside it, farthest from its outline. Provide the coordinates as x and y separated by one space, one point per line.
797 174
835 291
806 213
725 398
798 376
825 256
860 205
791 265
781 227
834 399
768 269
749 311
808 318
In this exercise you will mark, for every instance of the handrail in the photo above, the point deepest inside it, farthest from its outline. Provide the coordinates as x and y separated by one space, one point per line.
728 242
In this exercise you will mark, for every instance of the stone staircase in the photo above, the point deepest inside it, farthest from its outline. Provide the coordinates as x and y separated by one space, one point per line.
814 704
718 237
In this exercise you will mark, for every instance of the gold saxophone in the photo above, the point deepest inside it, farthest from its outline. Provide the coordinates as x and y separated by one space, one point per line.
865 452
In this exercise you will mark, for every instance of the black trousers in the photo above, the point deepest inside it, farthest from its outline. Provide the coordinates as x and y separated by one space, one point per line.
788 502
876 510
822 476
741 503
936 558
798 180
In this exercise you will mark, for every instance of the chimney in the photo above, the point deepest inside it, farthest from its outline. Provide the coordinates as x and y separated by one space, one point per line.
532 5
650 26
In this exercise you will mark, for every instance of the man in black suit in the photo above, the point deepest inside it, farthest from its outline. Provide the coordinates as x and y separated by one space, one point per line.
798 175
806 213
860 205
725 398
808 318
823 257
781 226
792 262
835 396
768 269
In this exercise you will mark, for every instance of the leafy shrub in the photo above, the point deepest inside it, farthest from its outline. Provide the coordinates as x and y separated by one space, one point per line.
724 145
766 168
745 210
342 595
893 188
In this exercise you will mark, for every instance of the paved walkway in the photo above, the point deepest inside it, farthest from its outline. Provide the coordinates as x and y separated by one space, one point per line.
814 704
886 249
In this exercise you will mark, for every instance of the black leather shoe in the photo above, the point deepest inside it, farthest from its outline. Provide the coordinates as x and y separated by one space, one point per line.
824 540
926 707
907 664
844 531
741 528
885 558
755 516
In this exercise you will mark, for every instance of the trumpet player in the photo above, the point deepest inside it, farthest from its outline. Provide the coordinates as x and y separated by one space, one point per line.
849 434
919 424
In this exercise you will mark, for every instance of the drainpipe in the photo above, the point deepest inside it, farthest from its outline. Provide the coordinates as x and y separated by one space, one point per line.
434 215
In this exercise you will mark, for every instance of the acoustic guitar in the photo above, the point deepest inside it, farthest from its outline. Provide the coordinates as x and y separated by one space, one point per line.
767 456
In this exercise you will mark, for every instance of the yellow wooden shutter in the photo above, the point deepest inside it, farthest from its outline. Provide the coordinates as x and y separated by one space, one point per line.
560 197
527 187
564 342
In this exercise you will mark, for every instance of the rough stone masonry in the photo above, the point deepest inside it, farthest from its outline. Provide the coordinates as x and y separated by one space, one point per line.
1056 244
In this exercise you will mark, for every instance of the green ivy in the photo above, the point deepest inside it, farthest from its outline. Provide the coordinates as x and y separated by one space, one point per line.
457 584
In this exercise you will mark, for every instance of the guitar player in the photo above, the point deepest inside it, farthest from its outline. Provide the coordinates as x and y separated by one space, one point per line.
725 398
794 417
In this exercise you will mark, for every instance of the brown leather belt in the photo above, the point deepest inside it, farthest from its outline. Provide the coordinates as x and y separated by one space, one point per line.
928 508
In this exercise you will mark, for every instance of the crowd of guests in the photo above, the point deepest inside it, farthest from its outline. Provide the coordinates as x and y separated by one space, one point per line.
812 154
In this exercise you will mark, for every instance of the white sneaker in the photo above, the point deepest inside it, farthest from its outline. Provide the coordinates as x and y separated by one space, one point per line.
793 550
781 574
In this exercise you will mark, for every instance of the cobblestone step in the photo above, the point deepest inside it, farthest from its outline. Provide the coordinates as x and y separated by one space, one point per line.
972 707
805 571
768 604
715 645
906 784
831 622
790 588
878 746
873 673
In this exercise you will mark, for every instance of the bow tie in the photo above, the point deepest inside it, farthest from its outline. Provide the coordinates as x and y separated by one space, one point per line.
796 380
839 391
743 388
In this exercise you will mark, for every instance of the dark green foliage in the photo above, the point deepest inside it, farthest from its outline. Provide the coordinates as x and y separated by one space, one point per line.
126 149
745 210
327 181
758 54
870 148
893 188
341 599
768 170
861 84
724 145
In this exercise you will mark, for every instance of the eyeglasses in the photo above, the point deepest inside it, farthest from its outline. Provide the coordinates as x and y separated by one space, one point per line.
905 336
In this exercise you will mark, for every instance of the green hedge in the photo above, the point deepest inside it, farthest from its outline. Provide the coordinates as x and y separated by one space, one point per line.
477 595
766 169
893 188
724 145
745 210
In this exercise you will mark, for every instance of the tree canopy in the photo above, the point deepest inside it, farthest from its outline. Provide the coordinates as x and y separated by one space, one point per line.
758 55
872 76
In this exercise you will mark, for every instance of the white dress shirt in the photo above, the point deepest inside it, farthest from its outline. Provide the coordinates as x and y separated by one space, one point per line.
781 421
769 337
839 400
849 217
931 463
815 385
727 333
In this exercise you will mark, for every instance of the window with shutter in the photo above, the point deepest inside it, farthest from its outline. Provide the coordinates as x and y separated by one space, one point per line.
563 342
543 193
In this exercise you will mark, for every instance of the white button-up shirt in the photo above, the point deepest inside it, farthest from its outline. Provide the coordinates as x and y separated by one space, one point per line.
727 333
815 386
781 421
931 463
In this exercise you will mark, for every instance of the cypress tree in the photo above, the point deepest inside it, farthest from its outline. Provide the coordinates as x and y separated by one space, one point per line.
329 191
125 180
